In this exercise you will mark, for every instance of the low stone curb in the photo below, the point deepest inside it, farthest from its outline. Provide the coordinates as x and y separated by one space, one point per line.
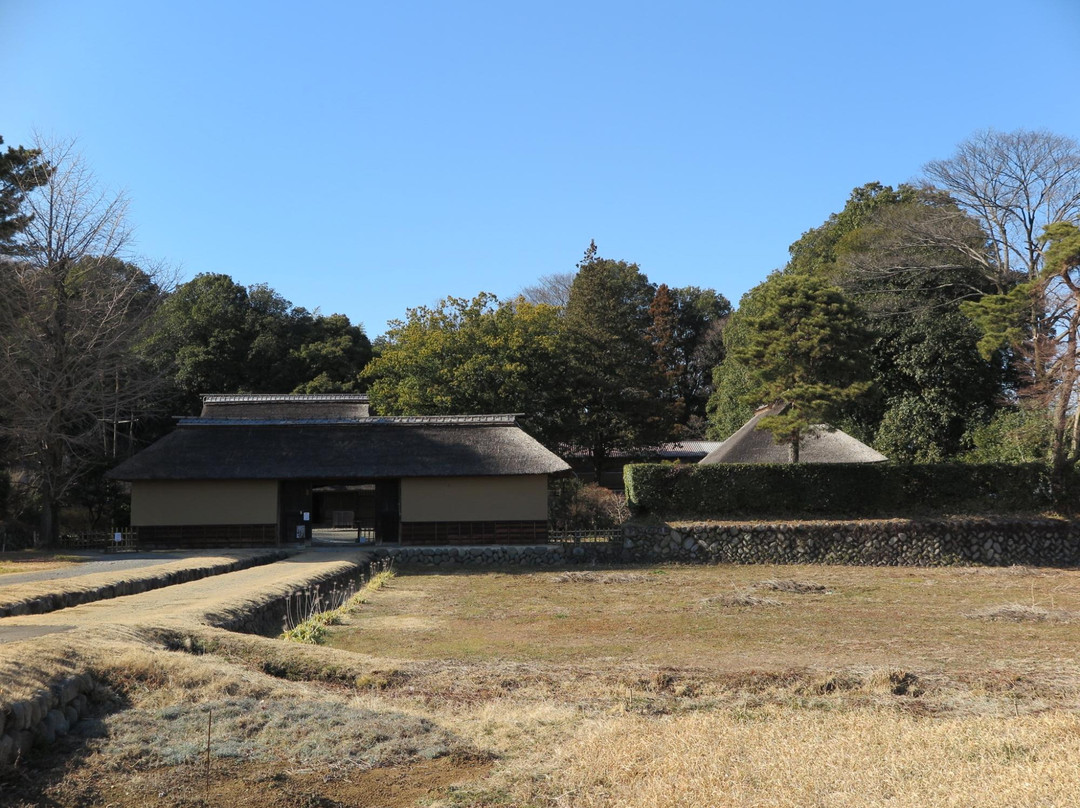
133 585
266 615
880 542
52 711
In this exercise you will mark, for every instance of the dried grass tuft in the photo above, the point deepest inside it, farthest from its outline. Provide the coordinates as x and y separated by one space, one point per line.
794 587
575 577
828 758
741 599
1017 570
1022 613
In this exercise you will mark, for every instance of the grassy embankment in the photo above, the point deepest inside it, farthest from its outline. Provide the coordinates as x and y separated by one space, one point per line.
35 561
669 686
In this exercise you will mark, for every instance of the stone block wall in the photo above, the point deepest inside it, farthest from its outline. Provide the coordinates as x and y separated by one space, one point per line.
40 718
267 616
884 542
536 555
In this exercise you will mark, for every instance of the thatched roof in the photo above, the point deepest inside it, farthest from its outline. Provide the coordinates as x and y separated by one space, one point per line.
272 405
819 444
431 446
689 450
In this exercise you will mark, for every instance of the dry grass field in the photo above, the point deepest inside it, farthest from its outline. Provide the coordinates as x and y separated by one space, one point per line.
666 686
35 561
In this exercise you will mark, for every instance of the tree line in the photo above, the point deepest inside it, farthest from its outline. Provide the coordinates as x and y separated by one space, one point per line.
98 350
935 320
954 319
597 362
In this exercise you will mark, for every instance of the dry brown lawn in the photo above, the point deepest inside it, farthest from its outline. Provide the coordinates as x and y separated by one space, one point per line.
694 617
35 561
747 686
658 687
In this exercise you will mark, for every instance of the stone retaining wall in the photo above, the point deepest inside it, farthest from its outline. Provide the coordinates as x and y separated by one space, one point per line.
53 601
48 713
885 542
266 617
533 555
892 542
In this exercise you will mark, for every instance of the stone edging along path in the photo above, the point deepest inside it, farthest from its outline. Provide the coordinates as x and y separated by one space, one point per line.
45 682
29 598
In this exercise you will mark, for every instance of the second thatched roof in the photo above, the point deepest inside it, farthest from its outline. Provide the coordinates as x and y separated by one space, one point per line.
819 444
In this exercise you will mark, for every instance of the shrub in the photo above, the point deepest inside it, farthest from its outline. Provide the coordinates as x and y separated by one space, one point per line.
575 506
851 490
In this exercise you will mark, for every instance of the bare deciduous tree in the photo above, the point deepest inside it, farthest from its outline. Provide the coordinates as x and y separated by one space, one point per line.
553 289
1015 184
71 313
924 253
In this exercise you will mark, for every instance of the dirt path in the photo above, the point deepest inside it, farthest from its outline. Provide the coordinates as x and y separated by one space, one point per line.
191 602
28 642
50 590
91 565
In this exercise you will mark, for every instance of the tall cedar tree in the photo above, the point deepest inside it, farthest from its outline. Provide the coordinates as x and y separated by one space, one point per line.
805 349
612 398
663 335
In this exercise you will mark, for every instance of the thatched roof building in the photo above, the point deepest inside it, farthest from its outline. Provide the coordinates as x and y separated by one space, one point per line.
819 444
258 469
372 447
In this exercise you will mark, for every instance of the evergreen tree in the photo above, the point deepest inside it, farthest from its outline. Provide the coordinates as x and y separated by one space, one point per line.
473 356
613 394
21 170
804 349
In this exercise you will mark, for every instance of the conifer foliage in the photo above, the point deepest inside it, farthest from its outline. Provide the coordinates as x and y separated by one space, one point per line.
806 348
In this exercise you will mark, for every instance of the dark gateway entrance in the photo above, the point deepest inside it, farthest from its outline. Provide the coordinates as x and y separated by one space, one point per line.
364 510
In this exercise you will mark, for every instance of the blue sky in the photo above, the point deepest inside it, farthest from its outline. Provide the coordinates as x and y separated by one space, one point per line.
365 157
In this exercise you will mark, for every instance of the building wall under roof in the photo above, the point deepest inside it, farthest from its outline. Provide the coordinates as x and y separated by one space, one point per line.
474 499
210 502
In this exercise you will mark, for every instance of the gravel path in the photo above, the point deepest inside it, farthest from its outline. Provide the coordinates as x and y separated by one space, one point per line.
108 579
110 564
189 603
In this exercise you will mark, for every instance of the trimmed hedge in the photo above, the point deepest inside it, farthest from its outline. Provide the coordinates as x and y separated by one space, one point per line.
858 490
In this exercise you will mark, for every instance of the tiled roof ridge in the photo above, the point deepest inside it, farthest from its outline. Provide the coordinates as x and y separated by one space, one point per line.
509 419
241 398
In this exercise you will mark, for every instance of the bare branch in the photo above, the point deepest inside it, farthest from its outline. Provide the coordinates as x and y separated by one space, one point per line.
71 314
